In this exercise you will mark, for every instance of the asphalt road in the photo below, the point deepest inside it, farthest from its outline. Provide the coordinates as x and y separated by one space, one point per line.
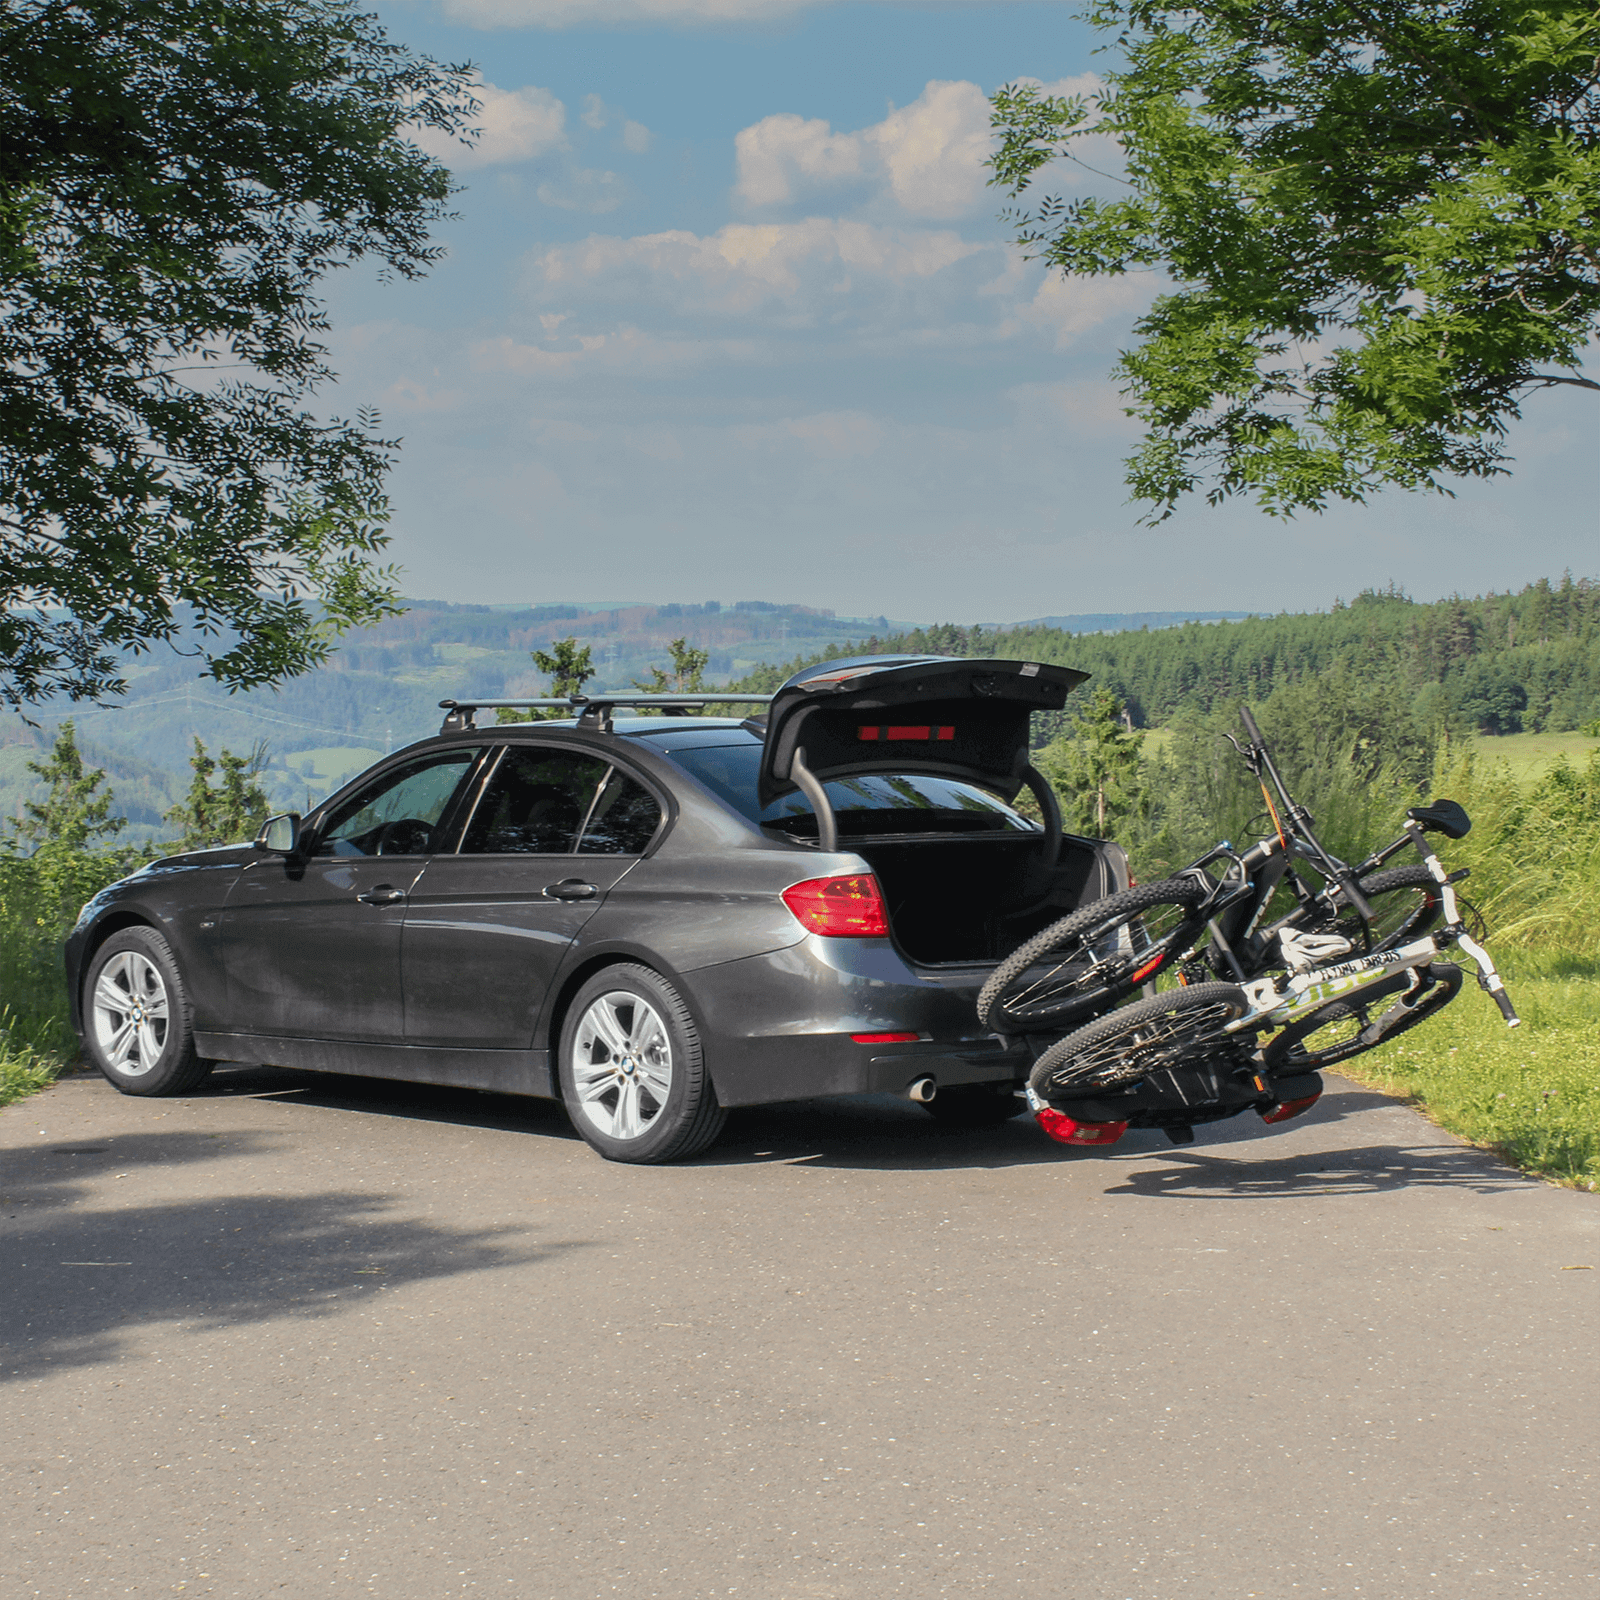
313 1336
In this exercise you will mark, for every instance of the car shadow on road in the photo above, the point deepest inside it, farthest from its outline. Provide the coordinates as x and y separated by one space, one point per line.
81 1272
888 1133
392 1097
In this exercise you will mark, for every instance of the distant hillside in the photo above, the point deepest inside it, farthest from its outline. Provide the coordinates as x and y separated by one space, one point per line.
1493 664
382 689
1497 663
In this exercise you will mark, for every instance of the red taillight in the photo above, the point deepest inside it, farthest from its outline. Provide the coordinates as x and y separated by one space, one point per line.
1067 1130
1291 1108
885 1038
849 907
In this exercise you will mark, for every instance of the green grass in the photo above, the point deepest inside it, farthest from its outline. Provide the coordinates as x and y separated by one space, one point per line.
1529 755
24 1071
1530 1094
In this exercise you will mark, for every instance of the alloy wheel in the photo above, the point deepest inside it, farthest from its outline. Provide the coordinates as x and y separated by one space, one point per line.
131 1013
622 1065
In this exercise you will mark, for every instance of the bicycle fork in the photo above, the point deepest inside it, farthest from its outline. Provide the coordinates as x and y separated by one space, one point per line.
1488 978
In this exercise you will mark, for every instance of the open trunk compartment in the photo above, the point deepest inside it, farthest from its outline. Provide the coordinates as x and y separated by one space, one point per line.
976 897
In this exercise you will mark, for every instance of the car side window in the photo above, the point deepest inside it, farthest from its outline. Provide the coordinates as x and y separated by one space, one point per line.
624 819
399 813
534 804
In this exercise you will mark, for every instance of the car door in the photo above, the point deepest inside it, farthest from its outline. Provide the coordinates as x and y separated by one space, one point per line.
488 927
312 941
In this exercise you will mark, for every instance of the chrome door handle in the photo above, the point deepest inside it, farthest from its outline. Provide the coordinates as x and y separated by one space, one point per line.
571 889
385 894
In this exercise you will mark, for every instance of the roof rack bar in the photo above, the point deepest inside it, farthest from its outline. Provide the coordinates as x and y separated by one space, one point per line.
594 709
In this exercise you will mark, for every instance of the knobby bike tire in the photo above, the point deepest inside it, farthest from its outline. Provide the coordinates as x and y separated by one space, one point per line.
1086 962
1171 1030
1392 1004
1405 901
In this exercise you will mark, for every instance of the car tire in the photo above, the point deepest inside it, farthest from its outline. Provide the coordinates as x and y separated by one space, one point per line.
633 1074
136 1019
974 1105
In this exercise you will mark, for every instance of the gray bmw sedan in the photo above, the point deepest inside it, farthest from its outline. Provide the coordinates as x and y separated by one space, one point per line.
651 918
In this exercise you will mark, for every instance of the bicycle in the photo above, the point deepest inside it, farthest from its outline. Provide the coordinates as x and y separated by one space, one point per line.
1191 1055
1087 963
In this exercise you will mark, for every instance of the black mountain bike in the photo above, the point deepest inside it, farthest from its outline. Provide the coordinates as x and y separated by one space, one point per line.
1089 962
1192 1055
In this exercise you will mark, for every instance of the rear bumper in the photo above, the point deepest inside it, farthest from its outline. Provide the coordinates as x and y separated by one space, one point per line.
778 1026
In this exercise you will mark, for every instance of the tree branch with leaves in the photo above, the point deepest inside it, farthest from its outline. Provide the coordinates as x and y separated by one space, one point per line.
1381 224
176 177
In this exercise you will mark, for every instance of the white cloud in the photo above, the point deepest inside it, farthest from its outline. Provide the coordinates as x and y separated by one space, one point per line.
636 138
1067 307
820 269
935 148
926 158
515 124
780 153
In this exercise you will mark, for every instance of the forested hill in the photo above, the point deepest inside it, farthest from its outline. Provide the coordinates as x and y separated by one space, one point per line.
1506 663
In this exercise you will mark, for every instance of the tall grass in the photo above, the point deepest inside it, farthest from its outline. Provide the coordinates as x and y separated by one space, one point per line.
39 900
1534 855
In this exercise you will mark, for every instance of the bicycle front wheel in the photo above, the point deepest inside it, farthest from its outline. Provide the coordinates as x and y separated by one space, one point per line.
1085 963
1172 1030
1337 1031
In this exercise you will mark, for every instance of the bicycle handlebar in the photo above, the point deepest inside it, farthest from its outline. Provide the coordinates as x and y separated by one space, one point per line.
1507 1010
1251 728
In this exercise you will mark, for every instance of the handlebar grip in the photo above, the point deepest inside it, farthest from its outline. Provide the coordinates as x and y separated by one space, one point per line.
1250 725
1507 1010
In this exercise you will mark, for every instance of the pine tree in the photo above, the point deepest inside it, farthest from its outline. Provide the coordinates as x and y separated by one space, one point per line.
1097 771
77 812
225 815
688 671
568 666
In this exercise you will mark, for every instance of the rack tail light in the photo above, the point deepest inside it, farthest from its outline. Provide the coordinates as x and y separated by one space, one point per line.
1068 1130
1291 1108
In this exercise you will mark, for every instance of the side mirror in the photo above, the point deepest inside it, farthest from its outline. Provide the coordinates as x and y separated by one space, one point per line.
280 835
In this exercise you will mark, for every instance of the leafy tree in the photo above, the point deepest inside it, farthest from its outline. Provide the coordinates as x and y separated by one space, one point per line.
688 671
1097 771
568 667
224 815
1380 221
76 814
175 178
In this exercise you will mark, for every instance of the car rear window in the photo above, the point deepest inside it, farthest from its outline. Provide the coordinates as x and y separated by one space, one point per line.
913 803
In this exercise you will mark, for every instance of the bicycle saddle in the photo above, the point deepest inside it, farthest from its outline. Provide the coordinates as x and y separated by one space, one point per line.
1443 816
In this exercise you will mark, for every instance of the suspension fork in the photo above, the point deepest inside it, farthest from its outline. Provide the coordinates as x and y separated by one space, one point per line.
1488 978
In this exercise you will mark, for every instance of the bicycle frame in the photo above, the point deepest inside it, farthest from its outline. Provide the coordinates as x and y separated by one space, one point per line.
1273 1004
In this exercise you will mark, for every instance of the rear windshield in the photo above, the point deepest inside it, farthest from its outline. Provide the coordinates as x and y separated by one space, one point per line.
914 803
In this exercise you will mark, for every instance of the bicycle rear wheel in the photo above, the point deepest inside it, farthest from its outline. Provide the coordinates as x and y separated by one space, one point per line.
1405 903
1172 1030
1335 1032
1087 962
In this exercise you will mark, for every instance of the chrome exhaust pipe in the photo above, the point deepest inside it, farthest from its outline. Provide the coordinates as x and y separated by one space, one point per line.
923 1090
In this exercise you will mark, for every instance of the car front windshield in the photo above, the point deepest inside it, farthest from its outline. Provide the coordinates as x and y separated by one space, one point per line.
908 803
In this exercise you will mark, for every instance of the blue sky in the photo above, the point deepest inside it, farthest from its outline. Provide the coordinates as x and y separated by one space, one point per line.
729 314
